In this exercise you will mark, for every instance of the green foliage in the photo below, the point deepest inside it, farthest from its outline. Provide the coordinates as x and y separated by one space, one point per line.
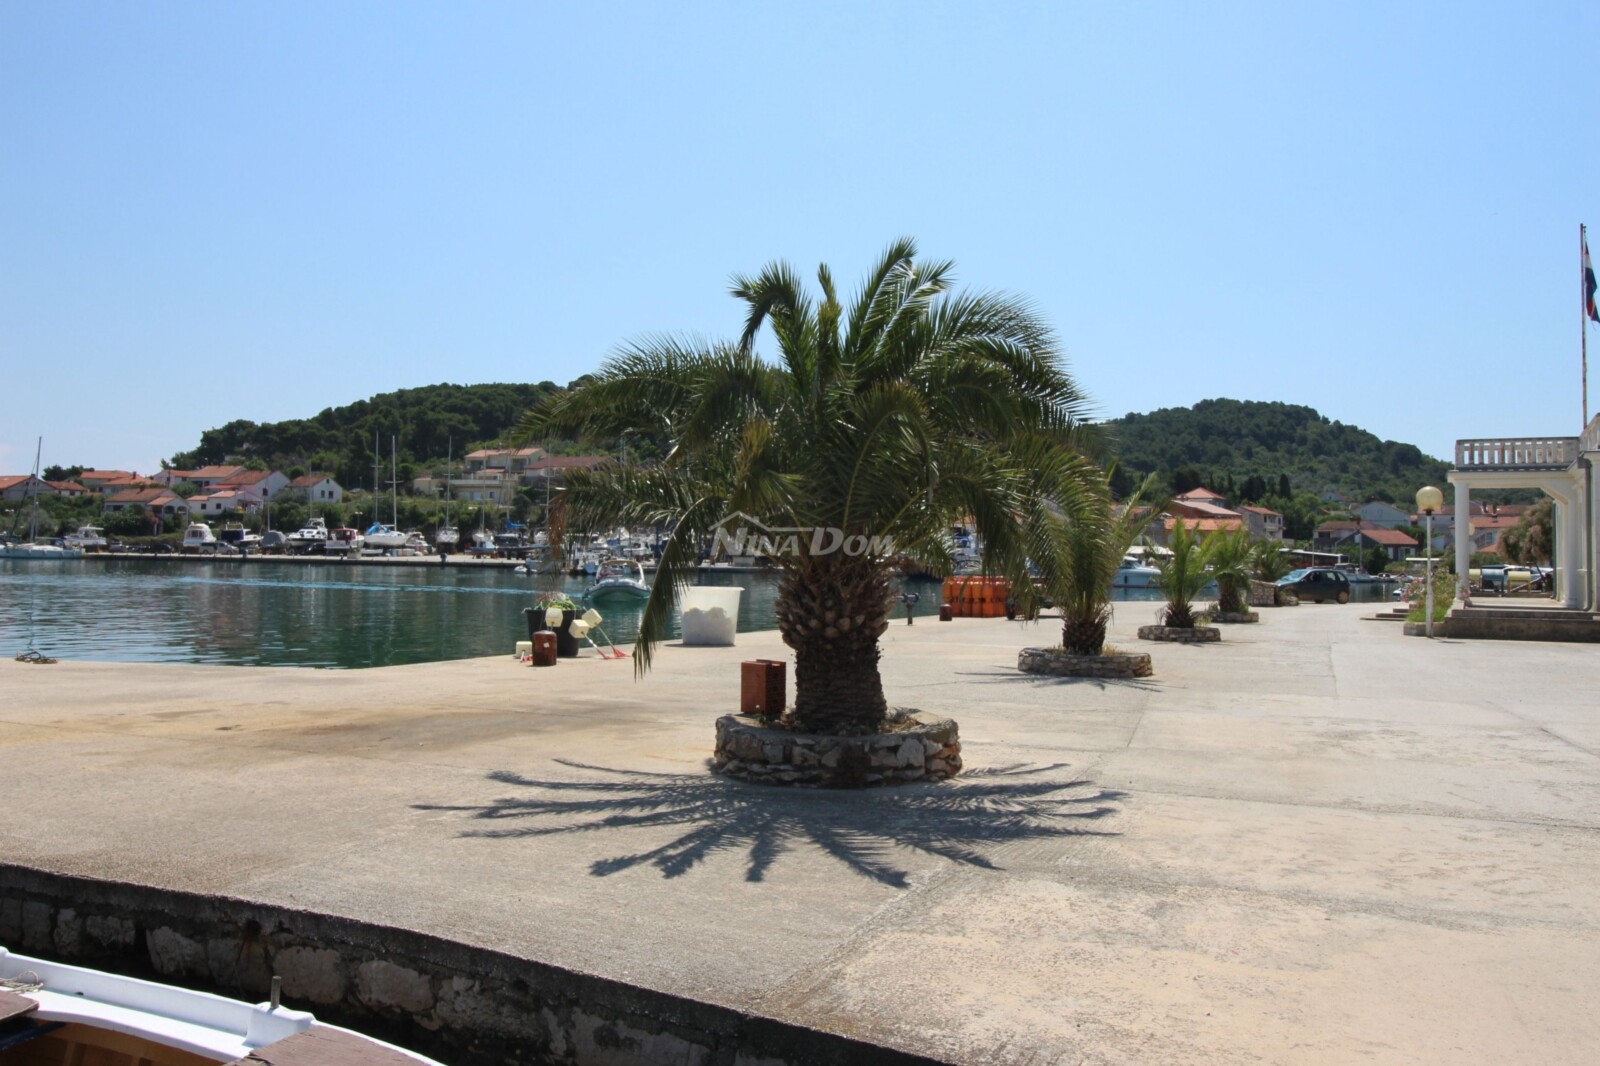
1233 560
1444 594
889 416
1267 561
1182 574
1275 442
340 439
1531 542
1375 560
1092 544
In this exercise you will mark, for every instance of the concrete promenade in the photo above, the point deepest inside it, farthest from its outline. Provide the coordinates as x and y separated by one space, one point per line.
1317 842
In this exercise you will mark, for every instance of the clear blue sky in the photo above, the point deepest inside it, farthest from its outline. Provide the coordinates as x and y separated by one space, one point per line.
217 211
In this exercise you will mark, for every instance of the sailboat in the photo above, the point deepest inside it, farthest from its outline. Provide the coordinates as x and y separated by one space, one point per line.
31 548
386 537
448 536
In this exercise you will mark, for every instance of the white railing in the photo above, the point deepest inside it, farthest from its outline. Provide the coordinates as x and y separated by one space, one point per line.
1517 453
1590 441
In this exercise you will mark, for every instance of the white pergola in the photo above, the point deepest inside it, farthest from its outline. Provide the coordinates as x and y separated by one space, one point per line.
1563 468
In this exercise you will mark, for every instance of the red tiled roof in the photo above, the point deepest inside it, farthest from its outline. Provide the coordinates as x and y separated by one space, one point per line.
215 473
1258 510
144 496
1202 494
1202 509
571 462
305 481
247 477
1389 538
66 486
1204 525
13 479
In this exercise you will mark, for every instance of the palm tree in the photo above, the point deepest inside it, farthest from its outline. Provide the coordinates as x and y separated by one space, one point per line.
1093 541
880 423
1233 561
1183 574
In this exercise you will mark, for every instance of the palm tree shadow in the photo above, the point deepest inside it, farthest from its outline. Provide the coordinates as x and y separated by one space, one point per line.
1002 676
958 820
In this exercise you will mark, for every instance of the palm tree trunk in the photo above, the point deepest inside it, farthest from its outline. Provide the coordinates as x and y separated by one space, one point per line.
832 614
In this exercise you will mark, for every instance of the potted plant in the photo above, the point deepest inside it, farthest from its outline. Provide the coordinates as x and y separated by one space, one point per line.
1092 540
1182 575
539 616
1233 560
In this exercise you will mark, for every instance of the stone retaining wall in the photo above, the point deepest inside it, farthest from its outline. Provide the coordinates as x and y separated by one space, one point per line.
462 1004
1262 594
1058 663
1235 617
929 751
1175 635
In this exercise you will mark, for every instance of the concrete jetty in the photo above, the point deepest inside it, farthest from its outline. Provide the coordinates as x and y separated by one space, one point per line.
1318 841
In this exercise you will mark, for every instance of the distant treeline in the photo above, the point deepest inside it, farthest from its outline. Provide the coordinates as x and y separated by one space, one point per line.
426 423
1253 451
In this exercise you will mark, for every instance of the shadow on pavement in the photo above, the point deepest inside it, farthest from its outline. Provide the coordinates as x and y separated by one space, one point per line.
957 820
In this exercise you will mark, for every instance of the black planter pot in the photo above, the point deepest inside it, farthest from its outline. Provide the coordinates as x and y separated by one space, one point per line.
566 643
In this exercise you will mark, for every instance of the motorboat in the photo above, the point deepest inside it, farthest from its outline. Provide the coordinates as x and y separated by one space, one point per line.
313 536
89 538
618 579
342 540
54 1013
198 537
417 543
447 538
234 535
1134 573
33 548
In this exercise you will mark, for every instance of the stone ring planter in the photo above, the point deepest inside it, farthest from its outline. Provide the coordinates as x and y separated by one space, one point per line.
1057 663
1197 635
930 750
1235 617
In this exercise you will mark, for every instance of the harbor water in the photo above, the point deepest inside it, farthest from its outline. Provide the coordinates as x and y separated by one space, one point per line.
336 616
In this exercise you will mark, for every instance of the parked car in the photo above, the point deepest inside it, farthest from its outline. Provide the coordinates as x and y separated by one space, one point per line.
1319 584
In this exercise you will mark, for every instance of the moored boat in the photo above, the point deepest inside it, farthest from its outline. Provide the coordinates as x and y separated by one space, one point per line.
89 538
313 536
33 548
198 537
618 579
52 1014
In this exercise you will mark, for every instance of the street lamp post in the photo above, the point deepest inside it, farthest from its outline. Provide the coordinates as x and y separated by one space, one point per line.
1429 500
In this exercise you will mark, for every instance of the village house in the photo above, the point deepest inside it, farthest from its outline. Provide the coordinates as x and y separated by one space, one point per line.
1263 524
95 480
158 500
265 484
514 464
68 488
1396 545
21 486
1377 513
221 501
316 488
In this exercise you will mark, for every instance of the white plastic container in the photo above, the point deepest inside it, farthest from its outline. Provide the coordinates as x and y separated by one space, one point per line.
709 615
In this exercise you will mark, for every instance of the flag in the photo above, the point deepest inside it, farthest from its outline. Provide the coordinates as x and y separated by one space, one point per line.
1588 284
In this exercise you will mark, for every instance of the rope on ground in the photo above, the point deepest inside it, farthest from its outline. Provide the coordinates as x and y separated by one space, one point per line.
31 656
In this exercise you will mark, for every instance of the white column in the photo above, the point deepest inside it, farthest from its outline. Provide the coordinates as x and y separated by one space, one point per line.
1571 551
1463 542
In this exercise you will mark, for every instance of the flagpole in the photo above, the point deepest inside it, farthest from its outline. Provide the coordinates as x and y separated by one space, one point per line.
1583 320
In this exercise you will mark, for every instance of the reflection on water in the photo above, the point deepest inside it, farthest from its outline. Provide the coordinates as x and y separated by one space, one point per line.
342 615
293 614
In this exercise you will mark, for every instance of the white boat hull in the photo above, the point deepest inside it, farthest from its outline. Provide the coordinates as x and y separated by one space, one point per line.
39 551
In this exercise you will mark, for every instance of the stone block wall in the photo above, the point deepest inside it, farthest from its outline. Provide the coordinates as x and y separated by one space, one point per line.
1058 663
929 750
459 1003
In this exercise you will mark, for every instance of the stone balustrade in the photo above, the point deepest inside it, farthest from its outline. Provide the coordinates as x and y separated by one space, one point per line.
1516 453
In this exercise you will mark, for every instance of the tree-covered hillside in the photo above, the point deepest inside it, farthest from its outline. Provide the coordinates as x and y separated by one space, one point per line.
339 440
1224 443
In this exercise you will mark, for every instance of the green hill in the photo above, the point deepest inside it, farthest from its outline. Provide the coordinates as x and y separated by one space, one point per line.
339 440
1252 452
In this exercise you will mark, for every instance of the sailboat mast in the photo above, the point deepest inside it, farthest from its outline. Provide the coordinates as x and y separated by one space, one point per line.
394 485
33 495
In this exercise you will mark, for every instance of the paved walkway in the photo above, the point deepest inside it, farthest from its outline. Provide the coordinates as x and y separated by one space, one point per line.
1318 842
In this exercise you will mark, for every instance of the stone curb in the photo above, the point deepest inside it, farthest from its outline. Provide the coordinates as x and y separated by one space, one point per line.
750 751
1057 663
1173 635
